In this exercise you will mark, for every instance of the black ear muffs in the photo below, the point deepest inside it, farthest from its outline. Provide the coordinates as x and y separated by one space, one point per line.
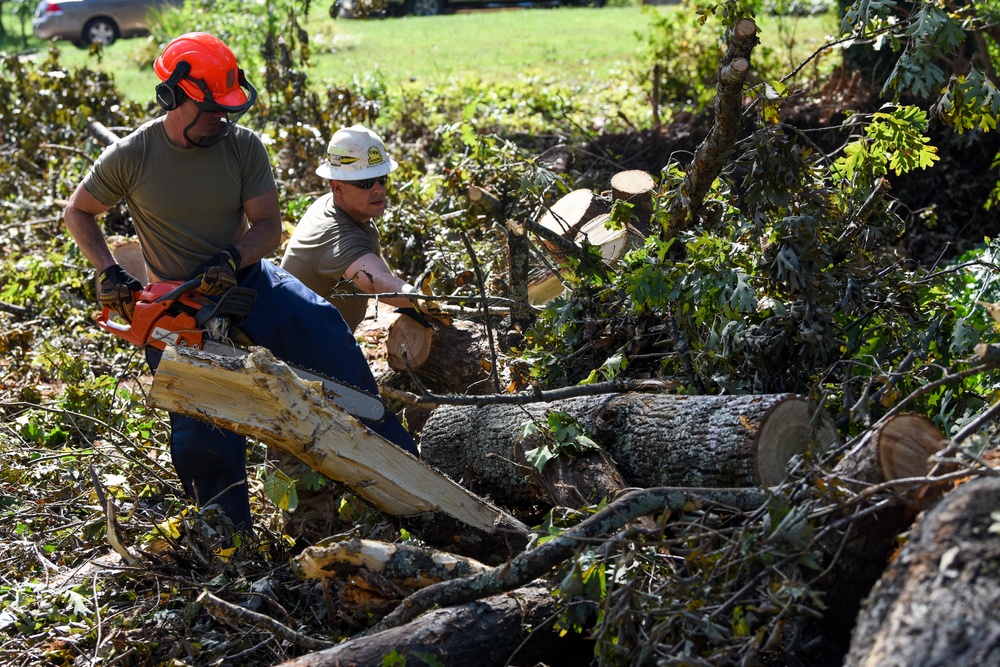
168 95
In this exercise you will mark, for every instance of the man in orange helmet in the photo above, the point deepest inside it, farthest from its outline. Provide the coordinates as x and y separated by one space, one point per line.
203 198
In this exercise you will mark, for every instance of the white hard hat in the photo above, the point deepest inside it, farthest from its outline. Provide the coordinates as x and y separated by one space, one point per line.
354 154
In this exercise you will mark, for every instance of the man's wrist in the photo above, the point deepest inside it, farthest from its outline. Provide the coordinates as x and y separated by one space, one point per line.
235 254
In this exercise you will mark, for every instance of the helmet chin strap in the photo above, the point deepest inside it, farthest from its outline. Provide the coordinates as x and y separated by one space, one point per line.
224 127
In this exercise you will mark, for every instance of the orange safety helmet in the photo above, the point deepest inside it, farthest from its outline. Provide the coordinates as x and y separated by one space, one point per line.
205 69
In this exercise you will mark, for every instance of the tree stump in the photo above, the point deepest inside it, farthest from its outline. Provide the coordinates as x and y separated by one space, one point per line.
568 215
938 601
446 360
655 440
636 187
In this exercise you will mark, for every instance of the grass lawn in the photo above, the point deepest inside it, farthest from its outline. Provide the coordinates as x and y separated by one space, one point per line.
572 45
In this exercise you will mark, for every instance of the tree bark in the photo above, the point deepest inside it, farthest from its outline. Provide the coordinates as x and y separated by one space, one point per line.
713 153
509 629
446 360
938 602
278 408
655 440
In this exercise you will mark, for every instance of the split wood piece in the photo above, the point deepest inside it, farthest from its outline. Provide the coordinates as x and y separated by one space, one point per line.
937 601
446 360
568 215
861 545
655 440
374 577
635 187
411 566
513 628
258 396
614 243
128 253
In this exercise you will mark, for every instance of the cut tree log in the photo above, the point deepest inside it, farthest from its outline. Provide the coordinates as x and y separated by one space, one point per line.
513 628
655 440
861 543
446 360
277 407
635 187
937 602
614 243
568 215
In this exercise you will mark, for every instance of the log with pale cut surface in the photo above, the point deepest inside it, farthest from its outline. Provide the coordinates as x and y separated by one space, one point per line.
446 360
278 408
635 187
655 440
569 214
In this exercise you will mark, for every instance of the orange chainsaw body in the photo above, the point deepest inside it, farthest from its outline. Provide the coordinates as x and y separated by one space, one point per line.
160 318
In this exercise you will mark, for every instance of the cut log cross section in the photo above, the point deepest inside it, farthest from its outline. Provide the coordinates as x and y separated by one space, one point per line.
636 187
568 215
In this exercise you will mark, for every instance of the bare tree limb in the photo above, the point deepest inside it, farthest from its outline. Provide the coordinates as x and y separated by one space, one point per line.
532 564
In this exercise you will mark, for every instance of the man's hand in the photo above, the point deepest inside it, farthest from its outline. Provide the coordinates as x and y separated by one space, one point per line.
218 275
117 286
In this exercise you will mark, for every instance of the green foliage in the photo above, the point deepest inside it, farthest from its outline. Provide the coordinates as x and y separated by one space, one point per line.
562 435
896 142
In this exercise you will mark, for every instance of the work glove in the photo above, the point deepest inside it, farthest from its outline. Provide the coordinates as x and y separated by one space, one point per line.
433 309
218 275
117 287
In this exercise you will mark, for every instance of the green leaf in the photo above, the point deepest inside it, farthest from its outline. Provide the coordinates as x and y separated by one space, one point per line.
280 490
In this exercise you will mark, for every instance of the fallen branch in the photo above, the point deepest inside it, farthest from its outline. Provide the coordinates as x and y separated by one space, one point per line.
530 565
236 614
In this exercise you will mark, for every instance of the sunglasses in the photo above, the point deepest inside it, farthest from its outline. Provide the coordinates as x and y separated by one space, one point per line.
369 183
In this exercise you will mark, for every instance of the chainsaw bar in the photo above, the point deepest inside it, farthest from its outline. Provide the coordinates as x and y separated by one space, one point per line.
350 399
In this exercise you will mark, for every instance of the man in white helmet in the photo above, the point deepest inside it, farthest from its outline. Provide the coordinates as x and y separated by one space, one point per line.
335 248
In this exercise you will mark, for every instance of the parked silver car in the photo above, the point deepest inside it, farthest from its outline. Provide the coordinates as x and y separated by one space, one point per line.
88 21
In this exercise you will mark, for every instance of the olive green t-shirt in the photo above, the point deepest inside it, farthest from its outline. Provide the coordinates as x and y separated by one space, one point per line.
187 203
324 244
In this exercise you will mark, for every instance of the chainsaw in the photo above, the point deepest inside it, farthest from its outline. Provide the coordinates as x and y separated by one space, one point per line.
167 313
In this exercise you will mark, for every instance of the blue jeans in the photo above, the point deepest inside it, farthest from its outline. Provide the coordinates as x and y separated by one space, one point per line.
300 328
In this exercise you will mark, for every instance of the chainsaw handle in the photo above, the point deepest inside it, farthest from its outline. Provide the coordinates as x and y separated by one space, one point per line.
183 288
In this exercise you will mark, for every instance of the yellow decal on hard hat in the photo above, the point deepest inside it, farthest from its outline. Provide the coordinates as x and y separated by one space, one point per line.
341 160
374 156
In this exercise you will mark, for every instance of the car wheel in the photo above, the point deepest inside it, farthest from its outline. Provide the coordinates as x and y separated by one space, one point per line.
425 7
100 30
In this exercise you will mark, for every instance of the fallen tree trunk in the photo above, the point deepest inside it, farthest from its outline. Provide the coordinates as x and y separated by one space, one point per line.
654 439
446 360
278 408
513 628
937 602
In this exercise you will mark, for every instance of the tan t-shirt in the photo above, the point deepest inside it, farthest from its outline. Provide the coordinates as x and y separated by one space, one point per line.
187 204
324 244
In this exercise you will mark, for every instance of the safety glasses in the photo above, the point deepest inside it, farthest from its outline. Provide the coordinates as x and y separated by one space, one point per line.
369 183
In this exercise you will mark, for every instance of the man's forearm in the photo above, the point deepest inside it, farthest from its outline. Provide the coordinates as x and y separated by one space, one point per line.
87 233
